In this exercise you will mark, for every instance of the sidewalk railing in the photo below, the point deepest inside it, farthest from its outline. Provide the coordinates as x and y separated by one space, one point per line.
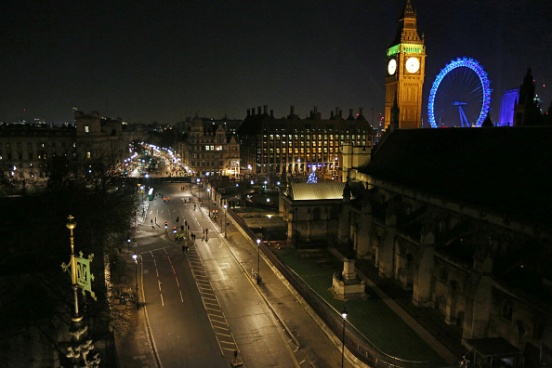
355 342
358 345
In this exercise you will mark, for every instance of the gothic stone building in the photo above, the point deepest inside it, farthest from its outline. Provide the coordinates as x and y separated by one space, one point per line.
461 219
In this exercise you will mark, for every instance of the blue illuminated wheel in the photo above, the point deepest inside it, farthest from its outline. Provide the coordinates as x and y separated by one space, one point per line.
460 95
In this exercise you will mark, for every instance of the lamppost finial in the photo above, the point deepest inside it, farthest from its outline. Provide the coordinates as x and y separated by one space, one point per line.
71 224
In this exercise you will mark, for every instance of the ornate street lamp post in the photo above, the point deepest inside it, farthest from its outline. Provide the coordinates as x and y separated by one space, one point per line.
71 225
80 349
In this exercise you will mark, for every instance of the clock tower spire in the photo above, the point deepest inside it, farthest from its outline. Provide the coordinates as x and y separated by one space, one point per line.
405 72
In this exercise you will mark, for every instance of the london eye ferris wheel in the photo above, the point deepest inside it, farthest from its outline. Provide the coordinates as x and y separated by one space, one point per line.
460 95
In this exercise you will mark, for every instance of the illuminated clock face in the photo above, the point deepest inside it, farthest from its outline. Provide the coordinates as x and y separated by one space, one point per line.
392 66
412 64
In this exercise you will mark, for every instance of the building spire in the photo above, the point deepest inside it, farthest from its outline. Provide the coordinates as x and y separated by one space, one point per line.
410 28
407 31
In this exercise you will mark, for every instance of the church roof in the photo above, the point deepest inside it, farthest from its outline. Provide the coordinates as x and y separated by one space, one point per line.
318 191
505 170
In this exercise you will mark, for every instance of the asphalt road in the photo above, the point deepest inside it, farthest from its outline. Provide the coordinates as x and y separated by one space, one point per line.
202 306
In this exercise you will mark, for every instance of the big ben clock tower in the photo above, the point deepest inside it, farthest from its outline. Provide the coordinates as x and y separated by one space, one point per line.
405 72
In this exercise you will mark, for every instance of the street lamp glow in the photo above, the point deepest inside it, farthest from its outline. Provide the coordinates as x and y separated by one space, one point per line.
258 261
197 181
225 223
135 258
209 200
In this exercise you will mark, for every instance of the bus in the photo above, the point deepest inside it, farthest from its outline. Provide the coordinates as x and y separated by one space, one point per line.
150 194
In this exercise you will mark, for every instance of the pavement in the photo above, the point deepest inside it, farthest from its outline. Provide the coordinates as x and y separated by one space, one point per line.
136 349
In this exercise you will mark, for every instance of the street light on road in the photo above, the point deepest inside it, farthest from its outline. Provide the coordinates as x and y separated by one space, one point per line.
344 315
225 223
209 199
135 258
258 261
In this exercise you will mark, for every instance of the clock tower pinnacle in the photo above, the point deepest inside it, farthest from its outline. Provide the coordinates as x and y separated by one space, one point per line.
405 72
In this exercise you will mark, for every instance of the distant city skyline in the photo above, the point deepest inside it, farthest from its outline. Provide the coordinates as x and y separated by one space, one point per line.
168 61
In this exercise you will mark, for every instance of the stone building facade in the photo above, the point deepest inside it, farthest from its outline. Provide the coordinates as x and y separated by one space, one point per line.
291 145
27 150
209 151
458 218
312 212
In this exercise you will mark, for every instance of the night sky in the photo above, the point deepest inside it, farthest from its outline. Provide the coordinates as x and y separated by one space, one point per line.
167 60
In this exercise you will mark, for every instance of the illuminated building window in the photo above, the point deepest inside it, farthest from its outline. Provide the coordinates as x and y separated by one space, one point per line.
88 155
86 129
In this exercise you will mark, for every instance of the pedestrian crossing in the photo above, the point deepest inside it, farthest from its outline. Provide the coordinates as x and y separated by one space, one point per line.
219 324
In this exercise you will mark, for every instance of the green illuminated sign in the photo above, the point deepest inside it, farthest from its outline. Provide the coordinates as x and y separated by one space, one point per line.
407 48
393 50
